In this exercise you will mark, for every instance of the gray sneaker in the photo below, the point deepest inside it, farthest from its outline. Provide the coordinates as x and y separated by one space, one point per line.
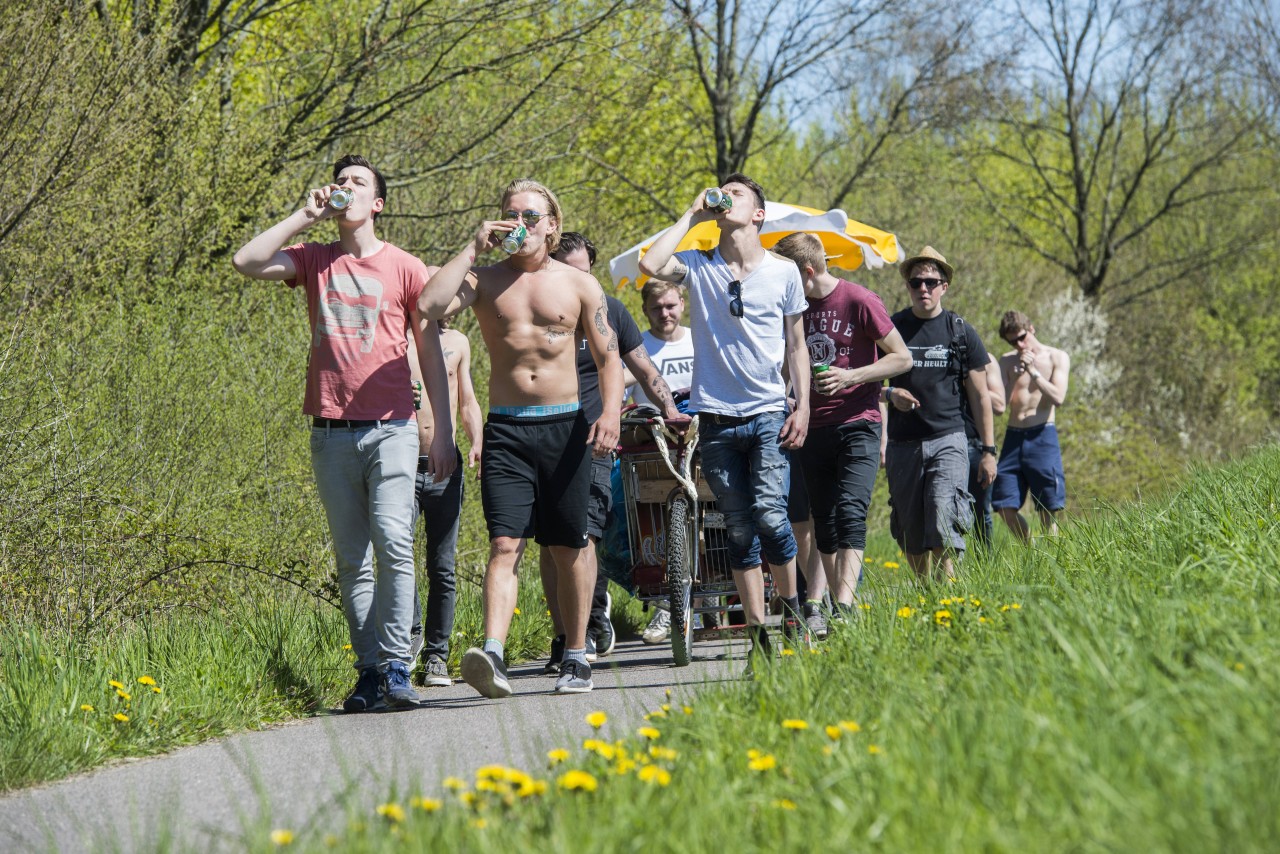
415 643
575 678
485 672
436 673
814 619
659 629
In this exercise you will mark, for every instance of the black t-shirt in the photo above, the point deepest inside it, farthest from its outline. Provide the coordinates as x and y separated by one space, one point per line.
588 375
934 377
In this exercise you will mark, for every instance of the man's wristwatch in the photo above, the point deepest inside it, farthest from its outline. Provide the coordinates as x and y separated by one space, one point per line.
990 449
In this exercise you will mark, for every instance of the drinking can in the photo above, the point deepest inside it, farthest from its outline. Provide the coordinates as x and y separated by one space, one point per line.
718 200
514 239
340 198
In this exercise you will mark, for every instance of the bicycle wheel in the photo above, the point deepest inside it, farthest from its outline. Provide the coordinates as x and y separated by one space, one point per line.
680 543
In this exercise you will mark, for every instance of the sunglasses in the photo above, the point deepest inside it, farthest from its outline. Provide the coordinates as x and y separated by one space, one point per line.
918 282
1017 339
529 218
735 304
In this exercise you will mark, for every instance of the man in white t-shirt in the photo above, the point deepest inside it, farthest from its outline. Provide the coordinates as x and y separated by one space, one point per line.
746 308
668 343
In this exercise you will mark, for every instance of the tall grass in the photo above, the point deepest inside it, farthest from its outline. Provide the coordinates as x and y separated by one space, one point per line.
1113 689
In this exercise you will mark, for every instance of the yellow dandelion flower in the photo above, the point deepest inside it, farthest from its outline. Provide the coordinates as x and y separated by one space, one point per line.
813 650
977 603
123 695
655 774
649 733
346 646
666 707
833 732
874 749
516 612
787 651
391 812
890 564
468 798
923 601
795 724
762 762
983 620
558 755
942 617
426 804
828 750
603 749
535 787
146 680
491 772
655 715
156 689
86 708
597 719
119 686
850 726
490 786
784 804
479 823
663 753
577 781
455 784
1238 666
281 837
864 606
688 710
121 717
906 612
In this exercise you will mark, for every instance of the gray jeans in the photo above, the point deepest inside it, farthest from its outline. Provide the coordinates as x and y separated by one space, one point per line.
441 507
365 479
931 508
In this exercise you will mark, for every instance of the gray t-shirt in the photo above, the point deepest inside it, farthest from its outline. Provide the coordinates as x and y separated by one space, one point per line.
739 366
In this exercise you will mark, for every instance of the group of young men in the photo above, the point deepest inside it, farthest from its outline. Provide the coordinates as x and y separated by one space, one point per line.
789 367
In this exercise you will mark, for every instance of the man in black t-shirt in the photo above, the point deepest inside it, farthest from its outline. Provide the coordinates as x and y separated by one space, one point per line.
577 251
927 462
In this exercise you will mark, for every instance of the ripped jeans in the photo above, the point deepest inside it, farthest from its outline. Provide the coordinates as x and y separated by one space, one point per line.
750 474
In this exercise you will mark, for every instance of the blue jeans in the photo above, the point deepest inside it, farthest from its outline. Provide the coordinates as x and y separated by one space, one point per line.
750 475
365 479
440 505
981 495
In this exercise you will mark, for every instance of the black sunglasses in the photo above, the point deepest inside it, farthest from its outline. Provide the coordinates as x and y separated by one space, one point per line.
735 304
1017 338
918 282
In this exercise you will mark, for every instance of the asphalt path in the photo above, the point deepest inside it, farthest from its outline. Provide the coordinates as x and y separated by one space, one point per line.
207 797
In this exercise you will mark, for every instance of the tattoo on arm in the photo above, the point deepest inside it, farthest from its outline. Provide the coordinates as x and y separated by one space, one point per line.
602 326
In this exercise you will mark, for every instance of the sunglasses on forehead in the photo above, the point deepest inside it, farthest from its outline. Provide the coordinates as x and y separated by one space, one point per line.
735 303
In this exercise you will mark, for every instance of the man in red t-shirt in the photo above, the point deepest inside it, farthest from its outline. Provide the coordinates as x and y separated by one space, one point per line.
362 295
843 326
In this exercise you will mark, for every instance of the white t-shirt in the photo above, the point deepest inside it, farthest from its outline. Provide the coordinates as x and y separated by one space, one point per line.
739 366
674 360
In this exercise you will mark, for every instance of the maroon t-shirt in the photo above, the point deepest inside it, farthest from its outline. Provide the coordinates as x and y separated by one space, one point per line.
841 330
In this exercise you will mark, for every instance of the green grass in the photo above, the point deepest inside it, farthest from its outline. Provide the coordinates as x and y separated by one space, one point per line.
1127 704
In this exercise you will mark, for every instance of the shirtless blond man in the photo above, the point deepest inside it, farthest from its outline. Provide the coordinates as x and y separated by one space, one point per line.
1035 379
535 470
440 505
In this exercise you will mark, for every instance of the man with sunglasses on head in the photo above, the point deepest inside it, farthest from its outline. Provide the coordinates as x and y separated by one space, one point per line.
1035 375
746 306
535 471
580 253
362 296
927 457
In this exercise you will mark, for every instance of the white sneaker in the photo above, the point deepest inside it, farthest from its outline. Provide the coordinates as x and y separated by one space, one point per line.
659 628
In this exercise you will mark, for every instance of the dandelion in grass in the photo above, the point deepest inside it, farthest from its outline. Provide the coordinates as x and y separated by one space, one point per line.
655 774
983 621
491 772
850 726
557 756
906 612
121 717
597 719
758 761
346 647
649 733
1013 606
688 710
146 680
123 695
281 837
942 617
603 749
785 804
787 651
86 708
577 781
923 601
864 606
977 603
874 749
426 804
663 753
469 799
833 732
890 564
393 813
119 686
655 715
624 766
813 650
479 823
516 612
454 784
795 724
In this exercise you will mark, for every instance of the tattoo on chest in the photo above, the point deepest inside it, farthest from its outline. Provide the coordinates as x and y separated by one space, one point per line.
554 334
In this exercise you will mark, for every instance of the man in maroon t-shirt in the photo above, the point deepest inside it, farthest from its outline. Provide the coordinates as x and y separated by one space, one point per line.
843 326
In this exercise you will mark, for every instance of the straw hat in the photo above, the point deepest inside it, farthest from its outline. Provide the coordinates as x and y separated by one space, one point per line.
926 254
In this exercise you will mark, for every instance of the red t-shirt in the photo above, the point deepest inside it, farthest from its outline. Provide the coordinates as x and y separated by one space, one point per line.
360 309
841 330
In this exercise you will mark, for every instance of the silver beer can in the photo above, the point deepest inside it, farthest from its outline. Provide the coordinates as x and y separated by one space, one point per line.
718 200
340 198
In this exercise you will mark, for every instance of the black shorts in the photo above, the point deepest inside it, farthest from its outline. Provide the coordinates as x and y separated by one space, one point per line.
601 495
535 478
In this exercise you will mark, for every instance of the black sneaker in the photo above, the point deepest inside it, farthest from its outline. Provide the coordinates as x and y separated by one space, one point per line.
796 634
367 695
591 647
485 672
552 667
605 638
396 690
575 678
436 673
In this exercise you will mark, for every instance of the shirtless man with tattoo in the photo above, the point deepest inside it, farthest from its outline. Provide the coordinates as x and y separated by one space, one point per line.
535 470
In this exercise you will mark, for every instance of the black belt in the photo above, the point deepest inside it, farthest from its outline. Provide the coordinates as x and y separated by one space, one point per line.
342 423
725 420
